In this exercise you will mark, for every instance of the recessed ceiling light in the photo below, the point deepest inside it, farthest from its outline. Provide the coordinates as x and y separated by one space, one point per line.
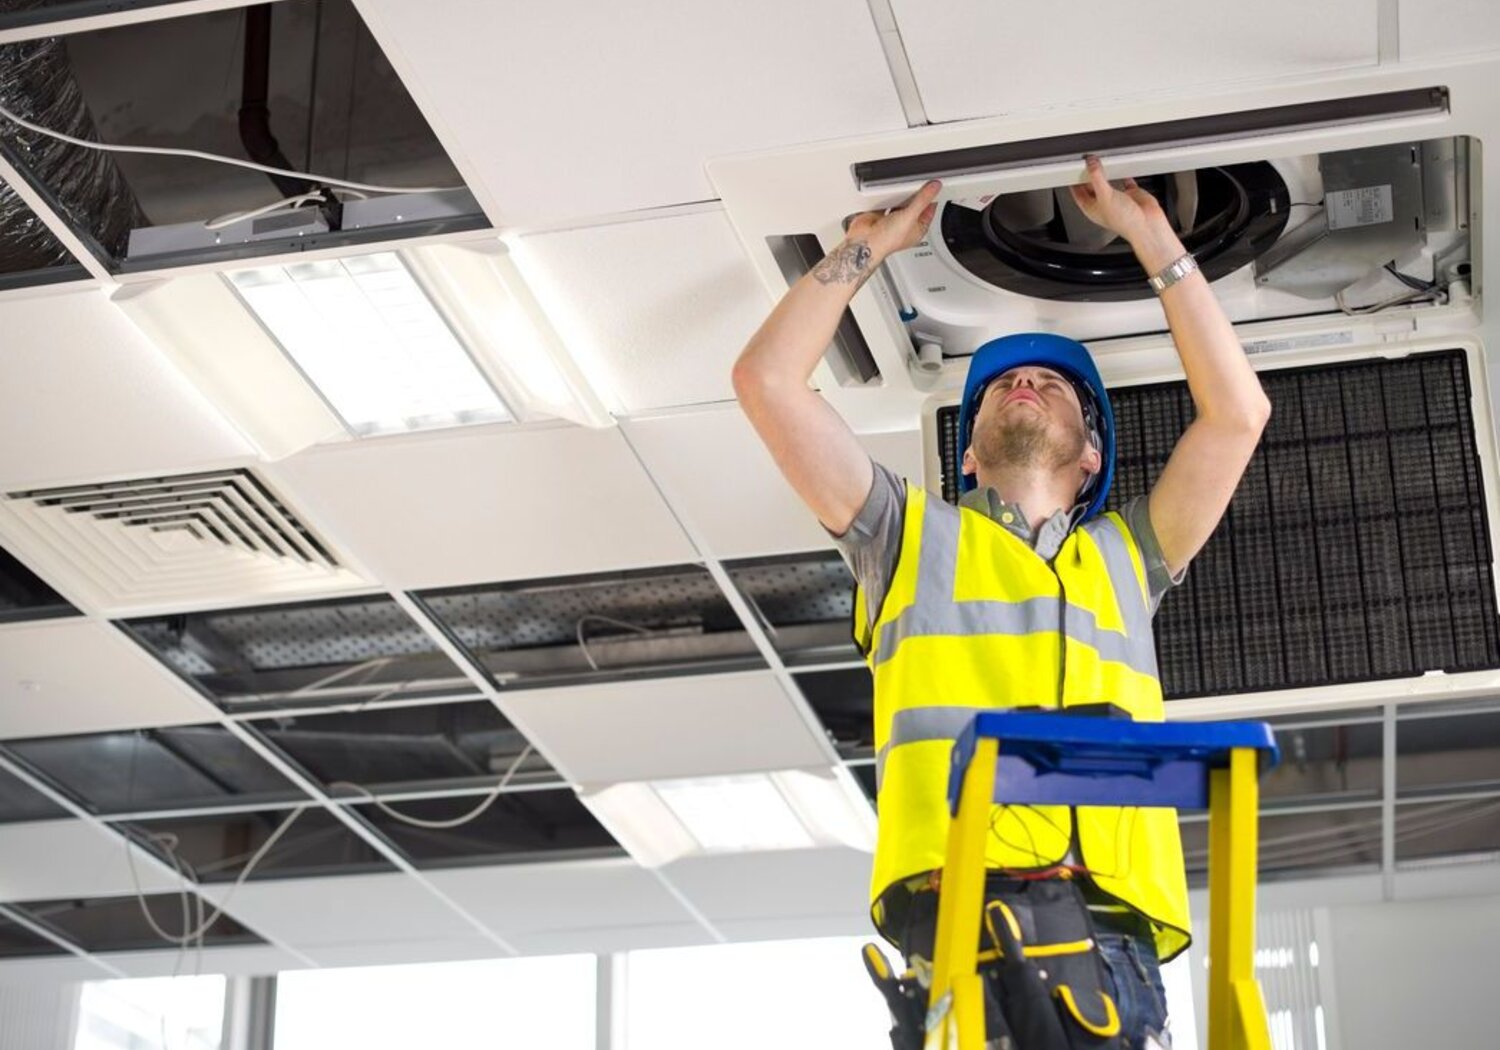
663 820
365 334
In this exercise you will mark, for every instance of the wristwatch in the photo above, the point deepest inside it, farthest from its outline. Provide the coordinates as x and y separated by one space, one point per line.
1173 272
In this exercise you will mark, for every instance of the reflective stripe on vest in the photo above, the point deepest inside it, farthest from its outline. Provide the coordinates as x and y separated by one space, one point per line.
976 620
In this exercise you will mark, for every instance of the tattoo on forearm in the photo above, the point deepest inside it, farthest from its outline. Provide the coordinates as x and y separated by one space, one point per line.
847 264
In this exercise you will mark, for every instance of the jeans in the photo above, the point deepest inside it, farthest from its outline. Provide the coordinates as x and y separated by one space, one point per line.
1139 995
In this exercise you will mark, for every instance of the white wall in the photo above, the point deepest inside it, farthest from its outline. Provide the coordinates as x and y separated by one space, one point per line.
38 1017
1415 973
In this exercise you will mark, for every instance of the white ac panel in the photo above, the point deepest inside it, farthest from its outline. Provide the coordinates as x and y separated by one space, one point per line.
789 207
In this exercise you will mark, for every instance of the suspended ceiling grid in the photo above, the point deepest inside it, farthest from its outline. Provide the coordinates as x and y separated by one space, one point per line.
636 266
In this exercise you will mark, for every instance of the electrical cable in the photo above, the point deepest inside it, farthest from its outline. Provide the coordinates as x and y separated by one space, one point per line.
286 206
191 935
583 643
168 151
419 822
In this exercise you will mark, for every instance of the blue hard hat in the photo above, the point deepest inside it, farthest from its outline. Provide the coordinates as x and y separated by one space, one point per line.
1060 354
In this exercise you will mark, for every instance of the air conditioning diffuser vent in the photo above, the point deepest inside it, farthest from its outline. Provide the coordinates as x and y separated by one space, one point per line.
174 541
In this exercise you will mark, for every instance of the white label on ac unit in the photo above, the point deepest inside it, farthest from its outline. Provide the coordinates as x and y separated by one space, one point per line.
1366 206
1299 342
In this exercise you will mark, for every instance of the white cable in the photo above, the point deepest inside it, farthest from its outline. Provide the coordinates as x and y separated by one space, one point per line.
167 151
189 936
583 643
275 208
454 822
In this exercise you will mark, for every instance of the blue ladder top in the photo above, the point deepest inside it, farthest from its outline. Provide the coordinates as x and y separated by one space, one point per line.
1094 761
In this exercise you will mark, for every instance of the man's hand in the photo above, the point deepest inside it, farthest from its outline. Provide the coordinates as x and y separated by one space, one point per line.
1131 212
872 236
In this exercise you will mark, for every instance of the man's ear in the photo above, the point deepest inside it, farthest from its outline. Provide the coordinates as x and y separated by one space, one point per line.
1092 461
971 465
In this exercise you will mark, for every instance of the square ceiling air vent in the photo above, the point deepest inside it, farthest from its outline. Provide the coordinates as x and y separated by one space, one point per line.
300 88
154 769
348 651
25 596
1356 548
172 541
431 747
648 622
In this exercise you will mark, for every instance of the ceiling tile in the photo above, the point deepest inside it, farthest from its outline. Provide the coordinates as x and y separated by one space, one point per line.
1430 28
1070 54
51 859
677 727
779 885
623 113
400 953
250 959
314 915
84 396
724 484
589 897
485 504
84 677
52 970
655 311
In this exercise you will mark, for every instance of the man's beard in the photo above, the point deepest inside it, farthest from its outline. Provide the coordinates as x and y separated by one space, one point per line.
1026 442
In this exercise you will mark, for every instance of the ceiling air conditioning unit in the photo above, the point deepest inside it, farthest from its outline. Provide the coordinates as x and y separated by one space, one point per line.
1339 223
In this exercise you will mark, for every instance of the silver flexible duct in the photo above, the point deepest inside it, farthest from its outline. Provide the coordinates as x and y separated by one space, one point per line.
36 82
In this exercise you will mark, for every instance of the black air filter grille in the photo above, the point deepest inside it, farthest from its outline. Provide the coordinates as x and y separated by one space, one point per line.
1356 547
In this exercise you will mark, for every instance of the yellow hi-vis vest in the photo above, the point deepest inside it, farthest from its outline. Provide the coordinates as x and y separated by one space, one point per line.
973 620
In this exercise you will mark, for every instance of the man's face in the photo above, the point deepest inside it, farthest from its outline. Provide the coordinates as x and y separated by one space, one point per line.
1030 418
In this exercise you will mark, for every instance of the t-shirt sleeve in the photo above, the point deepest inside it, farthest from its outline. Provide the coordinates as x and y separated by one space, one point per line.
872 542
1159 579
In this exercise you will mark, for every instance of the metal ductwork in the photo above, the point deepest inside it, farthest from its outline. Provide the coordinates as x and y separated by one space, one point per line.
37 83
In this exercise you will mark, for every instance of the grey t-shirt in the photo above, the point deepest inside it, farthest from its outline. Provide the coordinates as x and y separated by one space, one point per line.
872 542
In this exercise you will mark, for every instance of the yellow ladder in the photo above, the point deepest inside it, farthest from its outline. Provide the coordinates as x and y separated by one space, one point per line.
1052 758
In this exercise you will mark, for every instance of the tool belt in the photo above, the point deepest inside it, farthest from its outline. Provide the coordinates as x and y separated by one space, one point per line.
1045 985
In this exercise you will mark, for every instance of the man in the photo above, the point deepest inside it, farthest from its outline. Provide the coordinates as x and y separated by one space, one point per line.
1025 595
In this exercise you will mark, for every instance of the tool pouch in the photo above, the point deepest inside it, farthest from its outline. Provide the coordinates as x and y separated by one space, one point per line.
1043 972
905 997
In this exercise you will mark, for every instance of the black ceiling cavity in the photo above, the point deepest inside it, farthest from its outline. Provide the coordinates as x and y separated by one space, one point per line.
19 14
1039 244
518 827
432 746
844 701
1295 845
1325 763
142 770
1465 829
314 654
216 847
19 801
864 774
25 596
17 942
302 87
1356 547
30 254
1447 753
116 924
804 602
228 508
619 625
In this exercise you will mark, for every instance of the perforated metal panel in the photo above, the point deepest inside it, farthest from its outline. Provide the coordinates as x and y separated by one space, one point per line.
354 649
804 601
1356 547
630 624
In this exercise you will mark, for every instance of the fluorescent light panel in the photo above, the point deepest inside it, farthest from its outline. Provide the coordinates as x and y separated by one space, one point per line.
661 821
364 333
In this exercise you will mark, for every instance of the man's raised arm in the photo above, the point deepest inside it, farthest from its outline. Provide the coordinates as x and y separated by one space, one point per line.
811 443
1231 409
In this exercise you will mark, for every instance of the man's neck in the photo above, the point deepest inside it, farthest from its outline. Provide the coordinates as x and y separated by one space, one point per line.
1039 495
